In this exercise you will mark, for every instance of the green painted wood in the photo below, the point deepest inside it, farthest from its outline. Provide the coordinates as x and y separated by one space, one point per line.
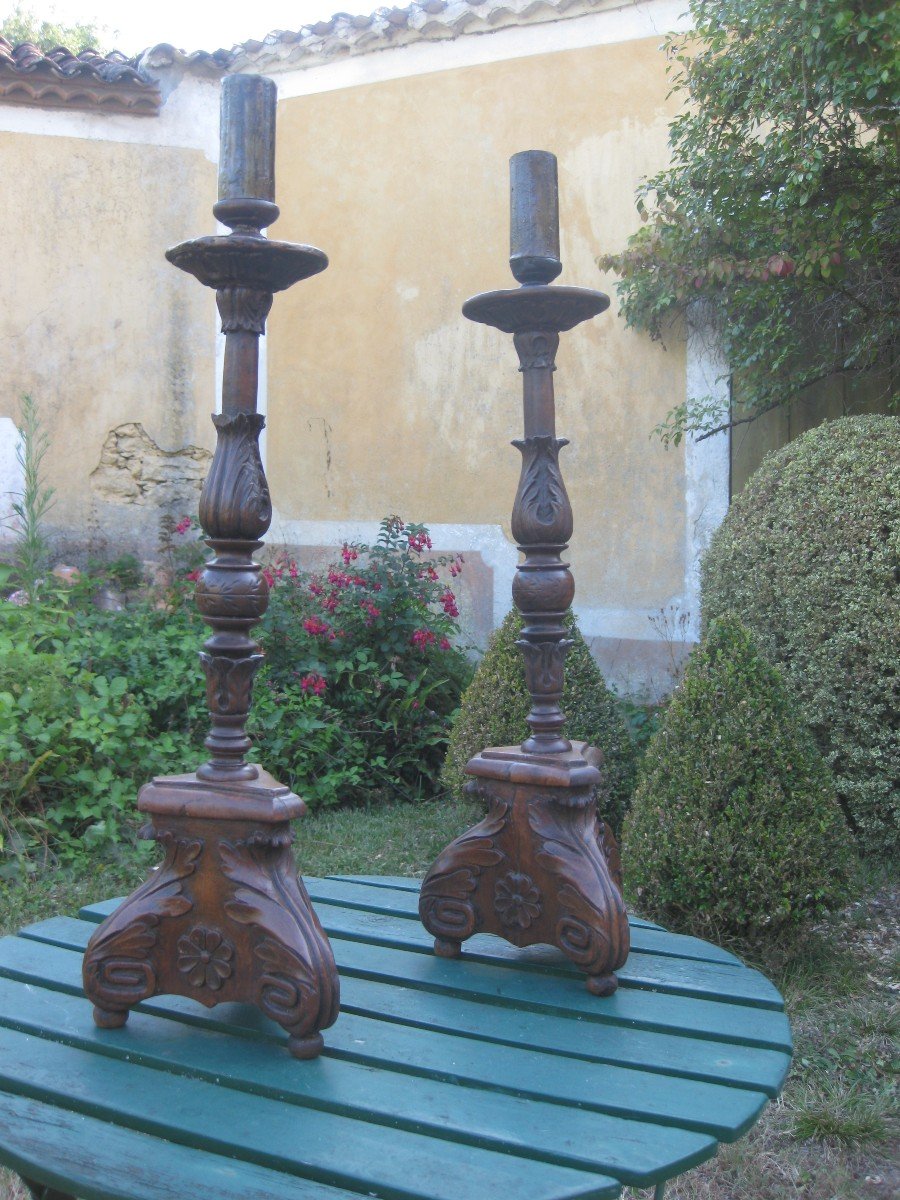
631 1150
498 1072
366 893
672 973
98 1161
508 988
645 942
722 1112
704 1059
278 1134
404 883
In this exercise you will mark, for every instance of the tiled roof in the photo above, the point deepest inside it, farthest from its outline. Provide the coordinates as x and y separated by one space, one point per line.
423 20
61 79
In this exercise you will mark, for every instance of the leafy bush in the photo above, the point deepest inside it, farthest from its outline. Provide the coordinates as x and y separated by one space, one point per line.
362 676
735 826
74 745
808 558
353 704
496 703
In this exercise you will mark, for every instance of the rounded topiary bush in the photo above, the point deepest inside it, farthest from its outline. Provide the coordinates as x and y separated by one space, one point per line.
496 703
808 558
735 826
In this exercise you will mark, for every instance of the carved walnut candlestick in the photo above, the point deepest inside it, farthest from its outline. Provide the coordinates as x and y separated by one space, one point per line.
225 917
542 866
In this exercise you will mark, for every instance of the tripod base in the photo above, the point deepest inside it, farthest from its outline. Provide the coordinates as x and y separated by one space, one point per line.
542 867
224 918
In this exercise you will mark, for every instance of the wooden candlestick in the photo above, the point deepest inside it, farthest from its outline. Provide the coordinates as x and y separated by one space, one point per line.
226 917
542 867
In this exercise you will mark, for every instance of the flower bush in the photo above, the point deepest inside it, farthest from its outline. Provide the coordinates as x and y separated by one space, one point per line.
363 674
353 704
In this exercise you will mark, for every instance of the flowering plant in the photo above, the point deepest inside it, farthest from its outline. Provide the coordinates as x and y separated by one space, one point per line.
363 674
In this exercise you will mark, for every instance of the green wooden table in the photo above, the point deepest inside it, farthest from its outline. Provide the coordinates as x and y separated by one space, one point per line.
494 1077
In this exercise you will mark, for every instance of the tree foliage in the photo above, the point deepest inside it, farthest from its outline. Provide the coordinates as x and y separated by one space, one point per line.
23 25
777 224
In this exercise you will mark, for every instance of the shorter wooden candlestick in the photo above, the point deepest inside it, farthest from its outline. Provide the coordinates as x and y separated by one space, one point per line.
542 866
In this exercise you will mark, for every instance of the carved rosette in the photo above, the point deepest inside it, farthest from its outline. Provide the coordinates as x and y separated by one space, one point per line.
205 957
517 899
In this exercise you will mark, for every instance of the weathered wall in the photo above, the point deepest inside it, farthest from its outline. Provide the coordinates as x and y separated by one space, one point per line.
382 398
96 325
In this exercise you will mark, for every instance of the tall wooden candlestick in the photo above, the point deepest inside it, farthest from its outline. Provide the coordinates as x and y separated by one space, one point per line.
225 917
542 866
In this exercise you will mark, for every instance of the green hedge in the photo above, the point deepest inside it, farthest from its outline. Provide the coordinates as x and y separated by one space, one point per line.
735 827
808 558
496 703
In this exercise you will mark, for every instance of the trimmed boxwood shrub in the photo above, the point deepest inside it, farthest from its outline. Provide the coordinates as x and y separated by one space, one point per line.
808 558
496 703
735 827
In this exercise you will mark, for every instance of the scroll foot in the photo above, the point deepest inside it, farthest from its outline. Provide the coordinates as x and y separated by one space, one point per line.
447 948
601 985
306 1047
105 1018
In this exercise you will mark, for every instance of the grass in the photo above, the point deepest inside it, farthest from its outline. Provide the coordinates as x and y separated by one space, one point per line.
832 1135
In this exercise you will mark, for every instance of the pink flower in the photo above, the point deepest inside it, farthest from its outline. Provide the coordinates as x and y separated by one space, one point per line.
368 607
269 576
445 643
315 626
193 576
316 588
349 554
313 683
428 573
418 542
423 638
292 569
448 603
183 525
339 579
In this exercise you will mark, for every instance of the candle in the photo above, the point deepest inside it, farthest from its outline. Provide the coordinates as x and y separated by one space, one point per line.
247 143
534 217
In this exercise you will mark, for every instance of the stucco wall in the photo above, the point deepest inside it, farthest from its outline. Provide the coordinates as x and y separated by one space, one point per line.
382 398
96 325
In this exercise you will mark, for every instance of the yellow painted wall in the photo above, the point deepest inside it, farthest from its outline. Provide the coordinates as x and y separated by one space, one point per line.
382 398
95 324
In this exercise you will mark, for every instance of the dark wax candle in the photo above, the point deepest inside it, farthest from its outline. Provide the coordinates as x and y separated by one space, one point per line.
247 145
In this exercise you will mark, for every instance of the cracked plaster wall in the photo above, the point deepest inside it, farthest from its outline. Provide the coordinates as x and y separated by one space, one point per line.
104 333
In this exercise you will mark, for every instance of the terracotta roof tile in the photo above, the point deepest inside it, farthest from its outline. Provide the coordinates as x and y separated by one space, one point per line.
60 79
422 20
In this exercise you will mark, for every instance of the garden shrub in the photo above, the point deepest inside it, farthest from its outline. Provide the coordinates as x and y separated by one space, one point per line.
808 558
362 674
496 703
353 703
735 827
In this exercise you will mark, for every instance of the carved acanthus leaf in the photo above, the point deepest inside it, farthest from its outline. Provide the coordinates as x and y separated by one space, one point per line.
541 512
243 309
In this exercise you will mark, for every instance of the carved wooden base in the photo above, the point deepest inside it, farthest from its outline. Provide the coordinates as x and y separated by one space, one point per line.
225 917
542 867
